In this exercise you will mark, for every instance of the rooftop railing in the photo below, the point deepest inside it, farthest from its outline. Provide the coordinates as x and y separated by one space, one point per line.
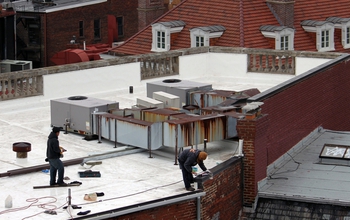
27 83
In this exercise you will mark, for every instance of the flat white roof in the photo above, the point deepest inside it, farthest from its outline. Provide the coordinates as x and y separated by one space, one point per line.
128 175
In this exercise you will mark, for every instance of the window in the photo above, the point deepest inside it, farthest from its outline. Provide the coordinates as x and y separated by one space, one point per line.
160 39
344 25
284 36
120 23
200 36
33 32
284 43
199 41
97 28
324 33
325 39
81 28
161 33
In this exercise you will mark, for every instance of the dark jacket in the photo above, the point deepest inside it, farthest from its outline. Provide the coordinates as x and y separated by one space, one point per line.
187 159
53 150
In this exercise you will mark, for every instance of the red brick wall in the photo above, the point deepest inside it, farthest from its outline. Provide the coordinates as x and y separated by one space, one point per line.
62 25
57 28
223 198
284 10
321 99
148 11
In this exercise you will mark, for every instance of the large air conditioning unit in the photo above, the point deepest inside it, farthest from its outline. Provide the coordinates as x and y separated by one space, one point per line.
75 113
14 65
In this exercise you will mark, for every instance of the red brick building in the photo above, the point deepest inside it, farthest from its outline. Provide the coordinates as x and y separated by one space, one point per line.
45 28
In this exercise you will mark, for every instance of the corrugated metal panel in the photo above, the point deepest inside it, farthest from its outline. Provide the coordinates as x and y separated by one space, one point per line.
216 97
123 130
212 128
210 98
192 131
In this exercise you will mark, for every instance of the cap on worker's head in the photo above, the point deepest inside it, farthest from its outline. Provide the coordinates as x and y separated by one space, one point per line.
202 156
56 129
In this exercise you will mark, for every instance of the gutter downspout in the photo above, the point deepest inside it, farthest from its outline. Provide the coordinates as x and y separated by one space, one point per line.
241 24
198 208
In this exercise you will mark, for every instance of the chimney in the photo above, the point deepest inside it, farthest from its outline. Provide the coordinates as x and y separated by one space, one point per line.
283 10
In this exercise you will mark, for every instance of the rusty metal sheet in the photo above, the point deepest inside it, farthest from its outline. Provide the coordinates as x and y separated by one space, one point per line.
192 131
158 115
124 130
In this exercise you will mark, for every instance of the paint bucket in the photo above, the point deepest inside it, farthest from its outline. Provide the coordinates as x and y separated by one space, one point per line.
8 202
194 169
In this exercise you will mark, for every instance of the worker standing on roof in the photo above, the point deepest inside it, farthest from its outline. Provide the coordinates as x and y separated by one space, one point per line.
53 153
187 159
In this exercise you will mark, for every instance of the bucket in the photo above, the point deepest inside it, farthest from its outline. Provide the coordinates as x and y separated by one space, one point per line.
8 202
194 169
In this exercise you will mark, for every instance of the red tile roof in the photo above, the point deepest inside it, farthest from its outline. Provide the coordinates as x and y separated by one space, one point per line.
242 20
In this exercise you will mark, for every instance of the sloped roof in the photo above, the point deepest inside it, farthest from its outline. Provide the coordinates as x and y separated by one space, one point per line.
196 13
242 20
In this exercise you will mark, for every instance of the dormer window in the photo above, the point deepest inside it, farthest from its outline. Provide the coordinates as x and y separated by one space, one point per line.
344 25
284 36
200 36
161 33
324 33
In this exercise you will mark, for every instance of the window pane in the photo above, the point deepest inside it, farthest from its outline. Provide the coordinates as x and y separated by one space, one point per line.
97 33
120 23
81 29
347 35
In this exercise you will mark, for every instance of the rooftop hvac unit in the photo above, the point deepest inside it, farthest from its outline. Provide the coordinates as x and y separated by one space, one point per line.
75 112
169 100
14 65
177 87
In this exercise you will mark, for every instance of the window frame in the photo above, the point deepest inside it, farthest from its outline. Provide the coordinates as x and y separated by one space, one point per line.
168 30
319 28
345 34
279 33
322 39
204 33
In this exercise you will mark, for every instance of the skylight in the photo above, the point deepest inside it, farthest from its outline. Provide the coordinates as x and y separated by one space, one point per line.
335 154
